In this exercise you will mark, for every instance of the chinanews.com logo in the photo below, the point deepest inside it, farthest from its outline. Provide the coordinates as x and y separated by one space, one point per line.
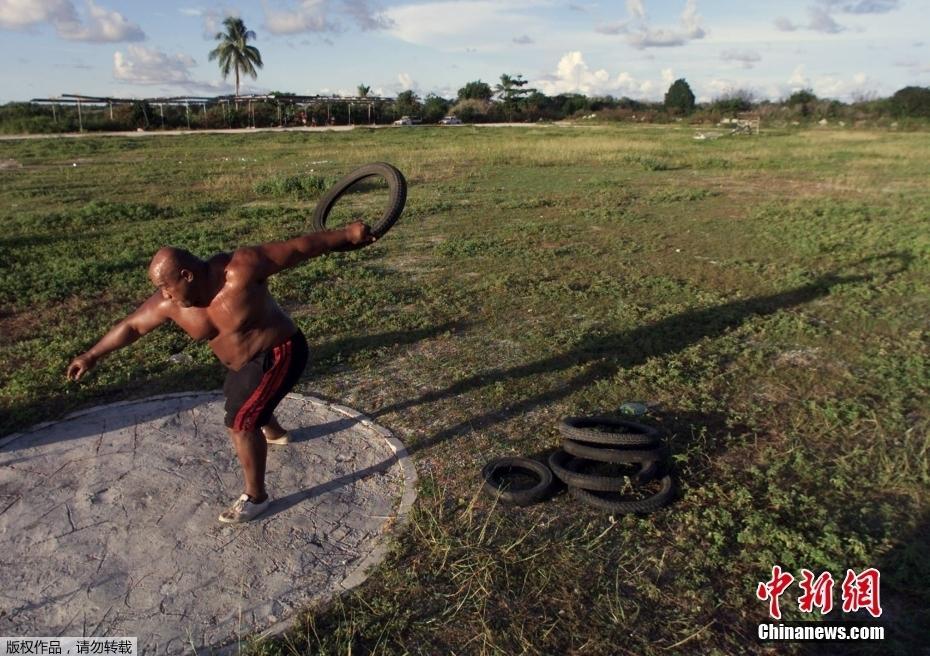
858 592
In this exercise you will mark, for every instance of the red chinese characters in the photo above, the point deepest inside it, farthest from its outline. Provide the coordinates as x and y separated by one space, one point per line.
817 592
773 589
861 591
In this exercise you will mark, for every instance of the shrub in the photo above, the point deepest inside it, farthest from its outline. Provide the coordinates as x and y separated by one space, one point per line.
911 101
733 102
802 97
679 98
471 110
298 186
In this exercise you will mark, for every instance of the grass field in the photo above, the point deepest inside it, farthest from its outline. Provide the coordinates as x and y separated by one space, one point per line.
768 296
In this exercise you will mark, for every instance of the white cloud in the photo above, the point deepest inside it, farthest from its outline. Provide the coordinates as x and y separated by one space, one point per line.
143 65
746 58
366 15
619 27
212 18
691 21
690 28
832 86
454 26
317 16
822 21
668 76
523 40
821 14
18 14
799 79
306 16
636 9
573 75
862 6
405 82
660 38
828 86
99 25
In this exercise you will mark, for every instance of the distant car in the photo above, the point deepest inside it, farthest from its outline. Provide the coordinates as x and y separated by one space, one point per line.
404 120
450 120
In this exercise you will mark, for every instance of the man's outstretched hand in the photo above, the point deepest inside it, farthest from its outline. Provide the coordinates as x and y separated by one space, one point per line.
358 235
80 366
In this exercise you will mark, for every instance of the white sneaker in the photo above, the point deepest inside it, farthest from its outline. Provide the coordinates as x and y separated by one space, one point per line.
243 510
284 439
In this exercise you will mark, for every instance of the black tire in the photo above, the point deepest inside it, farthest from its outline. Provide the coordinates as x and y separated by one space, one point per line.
491 473
646 472
398 196
621 507
561 464
607 454
607 430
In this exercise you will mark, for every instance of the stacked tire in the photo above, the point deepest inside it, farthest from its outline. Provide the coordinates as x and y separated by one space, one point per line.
602 458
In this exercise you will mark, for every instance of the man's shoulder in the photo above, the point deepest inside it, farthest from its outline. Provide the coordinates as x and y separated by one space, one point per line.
242 265
157 305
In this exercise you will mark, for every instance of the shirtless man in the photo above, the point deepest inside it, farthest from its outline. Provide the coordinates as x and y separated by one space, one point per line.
225 300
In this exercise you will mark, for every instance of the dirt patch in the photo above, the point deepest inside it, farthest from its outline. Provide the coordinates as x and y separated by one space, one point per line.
803 357
16 326
408 263
9 164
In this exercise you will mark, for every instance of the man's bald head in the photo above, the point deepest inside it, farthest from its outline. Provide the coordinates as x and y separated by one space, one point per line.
181 277
169 262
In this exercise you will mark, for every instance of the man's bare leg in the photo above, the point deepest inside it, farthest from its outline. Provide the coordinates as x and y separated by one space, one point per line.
252 452
274 433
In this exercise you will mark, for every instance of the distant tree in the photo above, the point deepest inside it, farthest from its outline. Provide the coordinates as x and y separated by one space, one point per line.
570 103
911 101
434 108
472 110
140 113
362 91
407 103
512 93
738 100
628 103
476 90
802 97
805 99
537 104
679 98
234 53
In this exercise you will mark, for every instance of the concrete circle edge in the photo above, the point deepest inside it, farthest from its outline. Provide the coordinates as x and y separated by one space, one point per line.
355 577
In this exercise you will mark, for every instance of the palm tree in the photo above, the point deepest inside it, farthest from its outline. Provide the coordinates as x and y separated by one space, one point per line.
234 51
362 91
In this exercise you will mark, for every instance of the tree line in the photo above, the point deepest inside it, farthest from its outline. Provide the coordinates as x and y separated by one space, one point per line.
510 100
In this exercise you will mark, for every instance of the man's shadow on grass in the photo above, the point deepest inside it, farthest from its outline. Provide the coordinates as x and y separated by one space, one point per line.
603 356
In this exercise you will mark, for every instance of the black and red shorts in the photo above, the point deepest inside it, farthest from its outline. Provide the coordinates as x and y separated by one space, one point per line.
255 390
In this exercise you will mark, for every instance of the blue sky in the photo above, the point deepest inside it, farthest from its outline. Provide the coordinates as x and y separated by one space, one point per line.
840 48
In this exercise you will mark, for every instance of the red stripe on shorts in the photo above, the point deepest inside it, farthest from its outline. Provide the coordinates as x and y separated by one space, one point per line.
268 385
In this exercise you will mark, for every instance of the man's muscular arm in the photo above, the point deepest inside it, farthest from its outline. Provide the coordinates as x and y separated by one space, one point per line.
149 315
273 257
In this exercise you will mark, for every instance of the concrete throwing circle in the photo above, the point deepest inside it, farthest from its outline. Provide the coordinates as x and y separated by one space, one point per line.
108 521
